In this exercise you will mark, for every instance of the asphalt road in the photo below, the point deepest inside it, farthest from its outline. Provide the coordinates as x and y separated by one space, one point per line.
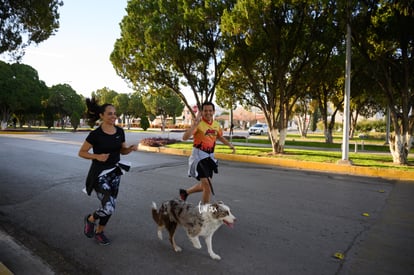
288 221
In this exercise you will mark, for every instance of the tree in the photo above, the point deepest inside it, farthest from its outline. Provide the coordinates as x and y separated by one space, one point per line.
171 44
21 91
166 105
78 106
328 89
75 120
121 102
105 95
302 113
384 34
145 123
137 108
274 44
228 90
64 103
23 22
366 100
7 87
316 114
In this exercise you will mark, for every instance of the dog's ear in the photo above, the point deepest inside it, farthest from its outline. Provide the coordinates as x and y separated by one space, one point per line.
215 205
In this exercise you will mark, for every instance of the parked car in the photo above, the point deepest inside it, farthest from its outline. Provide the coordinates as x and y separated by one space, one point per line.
258 129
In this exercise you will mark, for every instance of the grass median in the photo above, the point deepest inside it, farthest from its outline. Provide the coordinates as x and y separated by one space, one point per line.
375 156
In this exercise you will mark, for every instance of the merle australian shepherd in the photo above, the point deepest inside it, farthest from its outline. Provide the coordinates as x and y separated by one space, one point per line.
202 220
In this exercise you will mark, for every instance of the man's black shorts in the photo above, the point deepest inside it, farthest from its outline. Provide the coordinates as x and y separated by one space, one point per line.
206 167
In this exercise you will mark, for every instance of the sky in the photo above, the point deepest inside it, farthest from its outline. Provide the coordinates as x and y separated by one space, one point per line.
78 53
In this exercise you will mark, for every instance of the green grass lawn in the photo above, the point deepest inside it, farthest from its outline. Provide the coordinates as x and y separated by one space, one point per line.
374 143
312 148
313 151
361 144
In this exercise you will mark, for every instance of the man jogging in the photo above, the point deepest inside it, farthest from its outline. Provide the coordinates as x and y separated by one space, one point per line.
205 131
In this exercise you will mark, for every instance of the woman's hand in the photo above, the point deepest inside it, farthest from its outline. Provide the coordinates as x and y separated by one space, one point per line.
133 148
126 150
101 157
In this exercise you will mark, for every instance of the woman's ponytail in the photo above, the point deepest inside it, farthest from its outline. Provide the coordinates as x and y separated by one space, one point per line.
93 109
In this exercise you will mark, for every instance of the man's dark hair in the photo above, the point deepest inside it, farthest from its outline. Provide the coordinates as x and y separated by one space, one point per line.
208 103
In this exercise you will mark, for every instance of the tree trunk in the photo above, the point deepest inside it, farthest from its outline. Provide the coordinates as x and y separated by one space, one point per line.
329 127
273 136
400 145
163 122
6 113
282 140
354 121
328 136
303 125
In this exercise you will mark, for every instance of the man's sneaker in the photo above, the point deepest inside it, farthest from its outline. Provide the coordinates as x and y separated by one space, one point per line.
183 194
101 238
89 228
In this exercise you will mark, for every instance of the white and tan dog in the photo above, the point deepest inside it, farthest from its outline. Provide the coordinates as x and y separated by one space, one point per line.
202 220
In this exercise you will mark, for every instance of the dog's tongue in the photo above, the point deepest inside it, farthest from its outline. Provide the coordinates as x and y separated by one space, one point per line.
231 225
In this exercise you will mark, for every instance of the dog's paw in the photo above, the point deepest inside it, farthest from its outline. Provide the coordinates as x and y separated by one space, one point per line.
196 242
177 248
159 234
215 256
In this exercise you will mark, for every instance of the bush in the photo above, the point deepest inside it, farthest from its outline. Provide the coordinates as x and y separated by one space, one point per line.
74 120
158 141
337 126
370 125
145 123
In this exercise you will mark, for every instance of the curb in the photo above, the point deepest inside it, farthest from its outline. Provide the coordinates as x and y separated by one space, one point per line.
18 259
297 164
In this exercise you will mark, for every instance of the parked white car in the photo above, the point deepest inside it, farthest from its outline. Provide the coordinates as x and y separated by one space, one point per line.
258 129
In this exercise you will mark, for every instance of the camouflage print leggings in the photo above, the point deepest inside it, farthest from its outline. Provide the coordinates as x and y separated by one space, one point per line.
107 191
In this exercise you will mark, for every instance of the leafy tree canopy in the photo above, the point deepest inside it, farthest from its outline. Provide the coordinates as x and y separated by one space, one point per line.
23 22
167 105
275 46
65 101
21 91
170 44
104 95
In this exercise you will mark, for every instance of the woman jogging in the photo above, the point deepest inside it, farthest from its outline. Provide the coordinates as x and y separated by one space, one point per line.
107 143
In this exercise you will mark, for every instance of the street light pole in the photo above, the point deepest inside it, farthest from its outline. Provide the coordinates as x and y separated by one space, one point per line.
345 136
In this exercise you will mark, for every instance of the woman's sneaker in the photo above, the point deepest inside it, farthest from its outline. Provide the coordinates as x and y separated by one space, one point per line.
89 228
101 238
